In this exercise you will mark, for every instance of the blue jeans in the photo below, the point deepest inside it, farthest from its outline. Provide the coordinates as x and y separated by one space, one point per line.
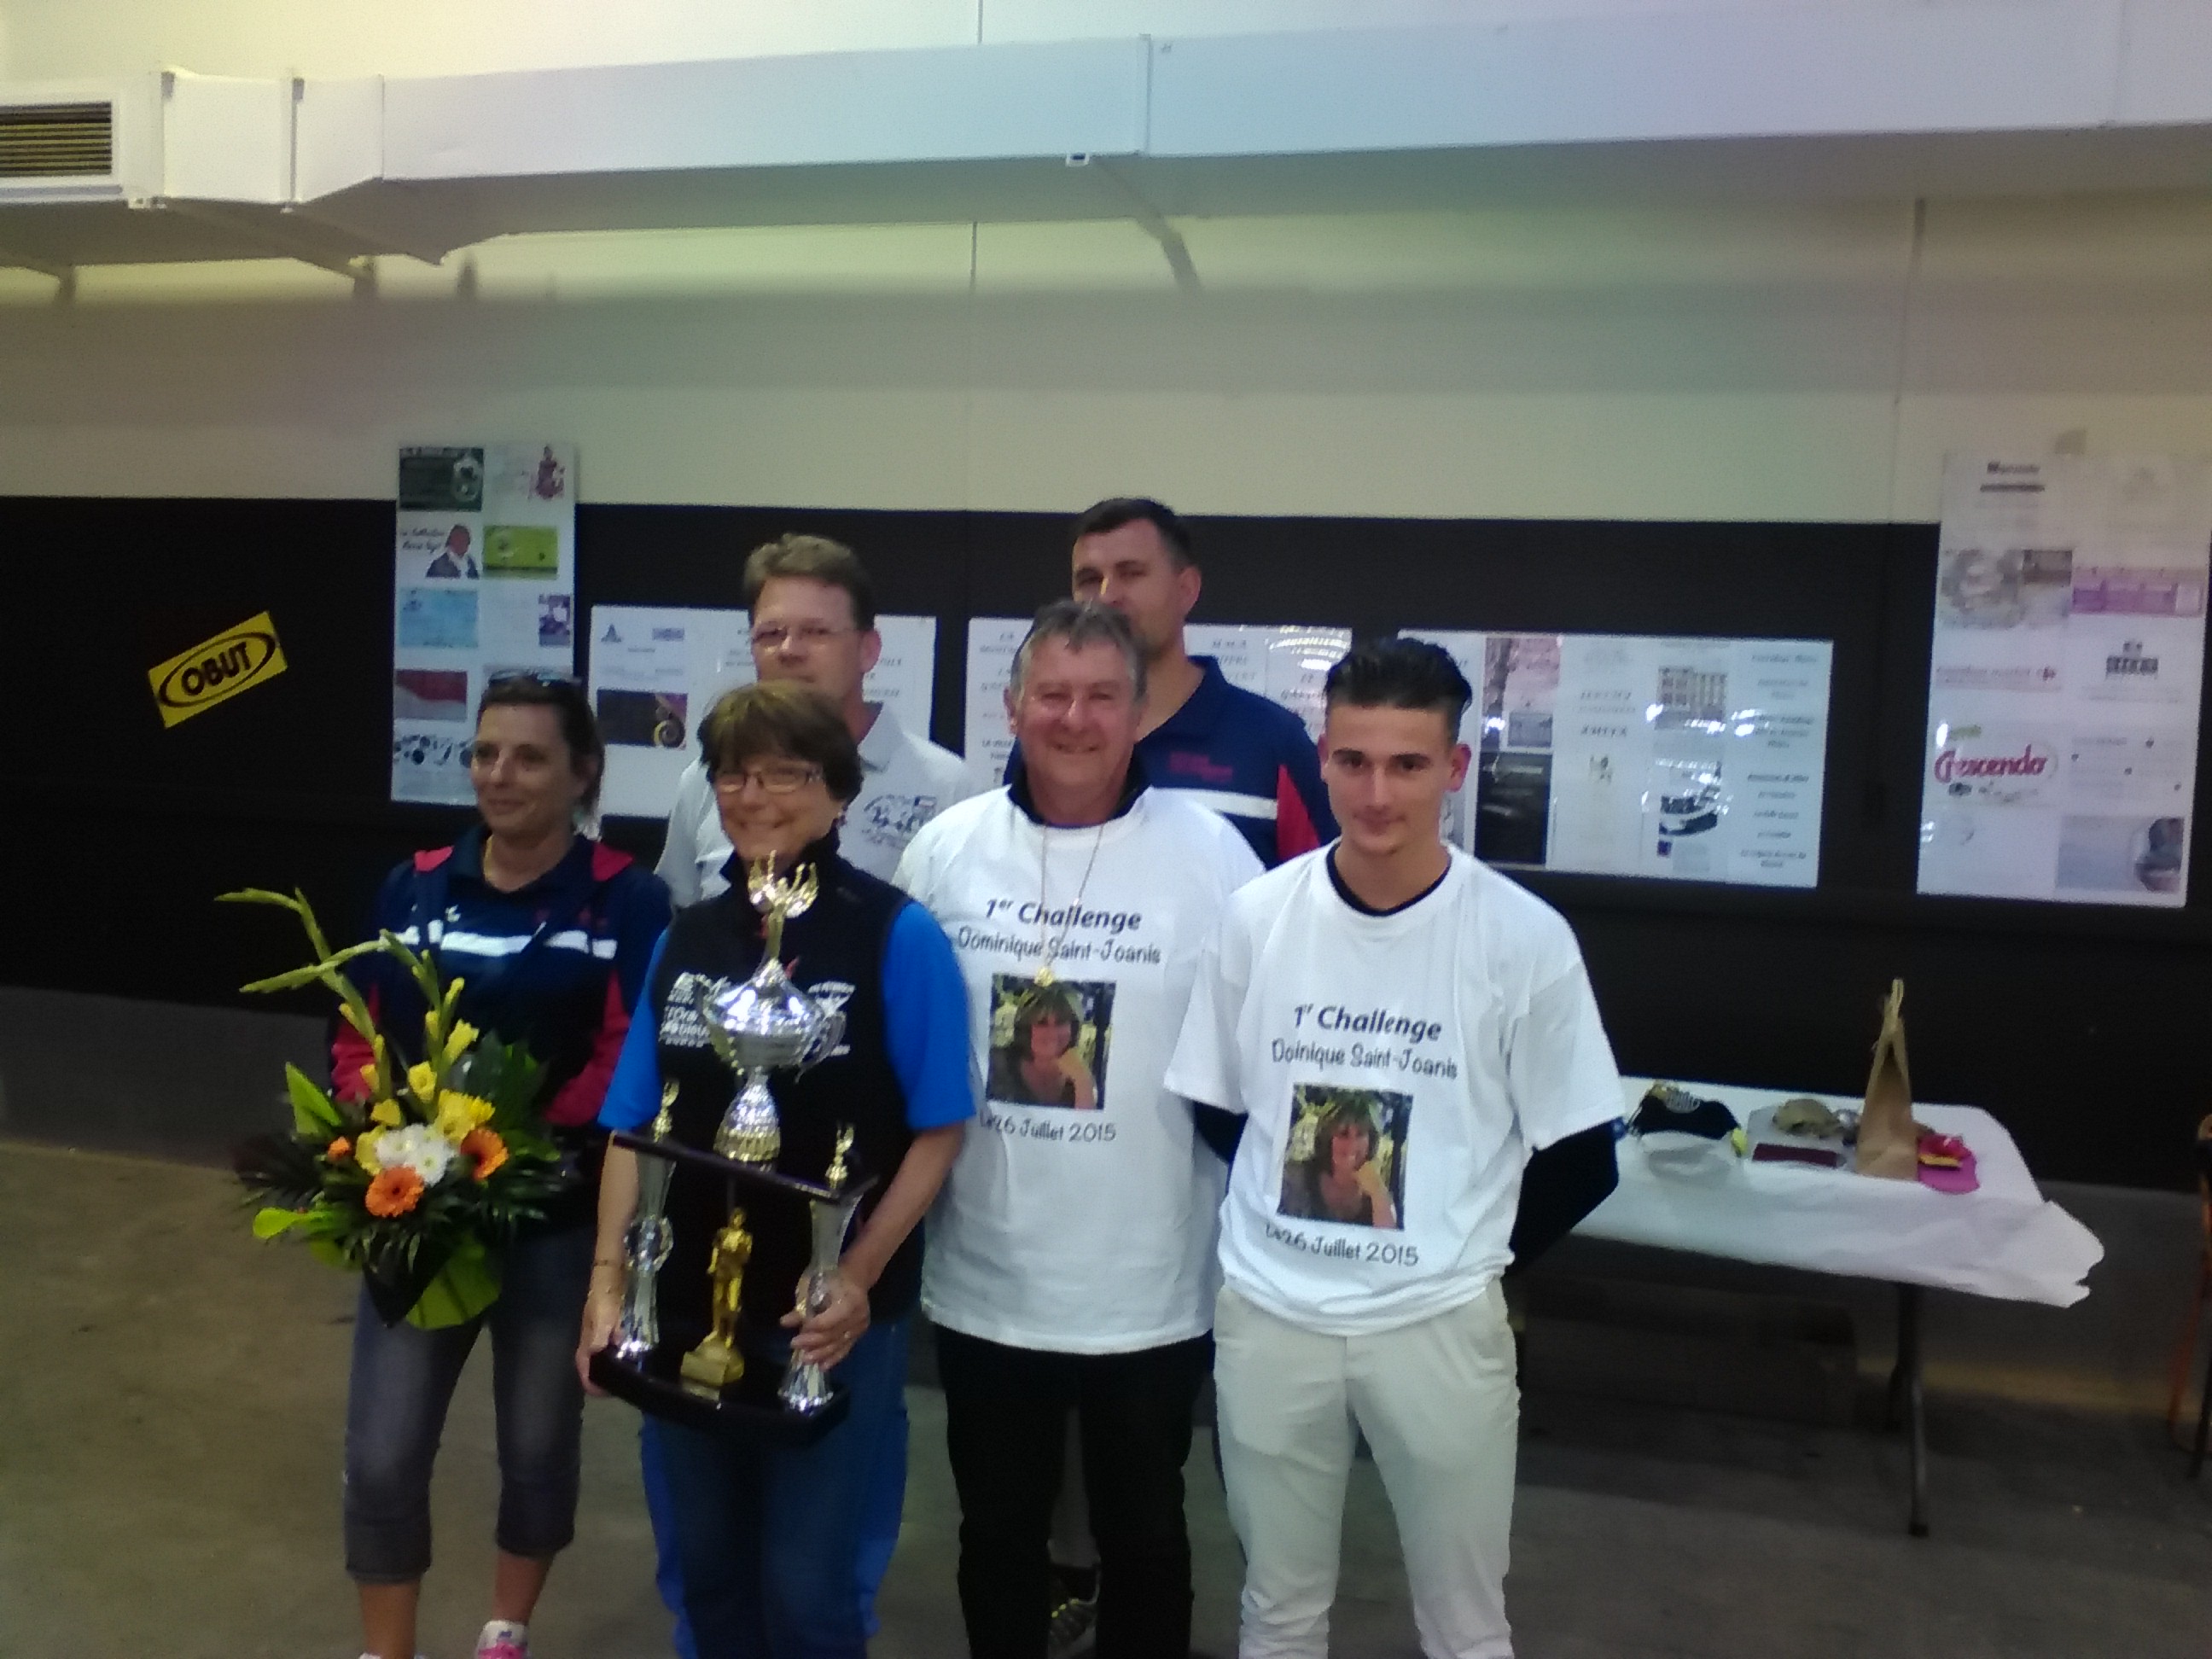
879 1523
403 1381
768 1537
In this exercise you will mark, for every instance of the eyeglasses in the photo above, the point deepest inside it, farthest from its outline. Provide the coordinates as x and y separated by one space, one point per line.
776 778
773 636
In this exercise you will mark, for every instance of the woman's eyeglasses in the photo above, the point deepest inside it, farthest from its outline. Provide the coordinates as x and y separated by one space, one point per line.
774 777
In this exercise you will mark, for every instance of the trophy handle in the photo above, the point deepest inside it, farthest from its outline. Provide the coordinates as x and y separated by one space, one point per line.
826 1039
702 993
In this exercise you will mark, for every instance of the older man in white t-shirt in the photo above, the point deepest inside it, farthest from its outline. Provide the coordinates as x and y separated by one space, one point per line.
1071 1264
813 614
1402 1029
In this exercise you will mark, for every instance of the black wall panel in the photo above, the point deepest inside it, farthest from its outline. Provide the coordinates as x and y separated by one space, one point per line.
2081 1027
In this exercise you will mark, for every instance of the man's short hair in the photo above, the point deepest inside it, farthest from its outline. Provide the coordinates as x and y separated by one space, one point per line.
1079 624
1119 510
814 559
1400 673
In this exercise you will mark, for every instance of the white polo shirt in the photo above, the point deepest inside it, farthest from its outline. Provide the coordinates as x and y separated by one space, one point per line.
1395 1071
905 781
1079 1216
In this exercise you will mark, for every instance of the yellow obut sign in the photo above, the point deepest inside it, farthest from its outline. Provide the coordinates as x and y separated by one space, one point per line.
231 662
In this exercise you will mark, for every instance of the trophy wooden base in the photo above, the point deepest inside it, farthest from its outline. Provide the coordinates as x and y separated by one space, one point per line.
747 1409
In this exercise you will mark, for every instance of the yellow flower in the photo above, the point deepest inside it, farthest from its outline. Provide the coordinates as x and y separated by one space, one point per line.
423 1080
458 1114
369 1078
464 1034
387 1113
364 1150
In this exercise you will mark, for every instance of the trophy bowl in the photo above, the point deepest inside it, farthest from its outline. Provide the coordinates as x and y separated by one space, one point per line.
757 1026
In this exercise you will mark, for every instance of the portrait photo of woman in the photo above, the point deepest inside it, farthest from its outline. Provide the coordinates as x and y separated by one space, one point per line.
1343 1162
1049 1045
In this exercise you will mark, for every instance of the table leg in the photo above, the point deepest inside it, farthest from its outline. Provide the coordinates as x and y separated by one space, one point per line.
1908 1404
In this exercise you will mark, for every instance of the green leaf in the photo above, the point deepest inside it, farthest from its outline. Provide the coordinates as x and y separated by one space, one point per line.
312 1110
260 895
271 1223
468 1285
329 1254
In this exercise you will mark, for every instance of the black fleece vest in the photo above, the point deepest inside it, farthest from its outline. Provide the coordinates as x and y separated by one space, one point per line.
835 952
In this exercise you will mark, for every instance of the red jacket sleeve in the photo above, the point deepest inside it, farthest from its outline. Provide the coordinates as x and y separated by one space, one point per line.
577 1099
349 1055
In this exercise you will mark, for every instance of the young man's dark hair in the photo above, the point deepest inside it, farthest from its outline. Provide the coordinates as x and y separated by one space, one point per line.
1114 511
815 559
1400 673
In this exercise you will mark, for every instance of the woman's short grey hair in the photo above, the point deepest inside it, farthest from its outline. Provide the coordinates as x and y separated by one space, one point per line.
1079 624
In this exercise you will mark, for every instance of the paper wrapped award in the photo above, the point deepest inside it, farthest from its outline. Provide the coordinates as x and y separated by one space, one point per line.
765 1022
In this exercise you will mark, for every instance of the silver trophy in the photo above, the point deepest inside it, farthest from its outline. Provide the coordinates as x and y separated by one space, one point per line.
765 1022
805 1386
646 1247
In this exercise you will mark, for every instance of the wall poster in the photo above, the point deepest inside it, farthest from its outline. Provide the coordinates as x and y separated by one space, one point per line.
2063 685
485 584
655 671
1633 754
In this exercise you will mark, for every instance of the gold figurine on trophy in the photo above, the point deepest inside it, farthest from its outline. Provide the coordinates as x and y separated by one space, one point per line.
716 1362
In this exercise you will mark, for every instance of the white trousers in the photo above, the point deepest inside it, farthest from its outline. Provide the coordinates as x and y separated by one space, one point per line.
1440 1409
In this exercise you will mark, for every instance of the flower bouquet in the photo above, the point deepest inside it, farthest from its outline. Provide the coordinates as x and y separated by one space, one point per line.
418 1176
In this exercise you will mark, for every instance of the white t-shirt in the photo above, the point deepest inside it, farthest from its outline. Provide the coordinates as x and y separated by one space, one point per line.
905 781
1395 1071
1079 1216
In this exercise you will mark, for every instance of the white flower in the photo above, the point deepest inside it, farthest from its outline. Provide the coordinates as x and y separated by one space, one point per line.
419 1147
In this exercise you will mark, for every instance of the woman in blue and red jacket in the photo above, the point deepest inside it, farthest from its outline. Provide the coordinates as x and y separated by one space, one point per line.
550 933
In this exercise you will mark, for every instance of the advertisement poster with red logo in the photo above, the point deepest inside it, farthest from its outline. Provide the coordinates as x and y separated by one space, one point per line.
1674 759
484 584
2063 681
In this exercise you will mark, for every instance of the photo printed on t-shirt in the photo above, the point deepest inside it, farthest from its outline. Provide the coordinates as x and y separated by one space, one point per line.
1048 1041
1345 1158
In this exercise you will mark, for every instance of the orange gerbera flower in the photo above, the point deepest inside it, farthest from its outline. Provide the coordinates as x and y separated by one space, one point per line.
394 1192
487 1148
337 1149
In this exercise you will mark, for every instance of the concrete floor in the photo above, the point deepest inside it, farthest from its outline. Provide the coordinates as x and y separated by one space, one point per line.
172 1395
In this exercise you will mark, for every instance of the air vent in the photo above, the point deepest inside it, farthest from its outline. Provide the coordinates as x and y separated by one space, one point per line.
57 140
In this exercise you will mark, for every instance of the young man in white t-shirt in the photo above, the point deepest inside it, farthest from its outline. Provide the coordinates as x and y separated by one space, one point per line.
813 614
1402 1027
1071 1262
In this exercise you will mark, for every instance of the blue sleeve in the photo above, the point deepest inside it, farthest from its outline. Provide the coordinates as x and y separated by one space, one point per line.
637 938
634 1092
1301 760
376 975
926 1022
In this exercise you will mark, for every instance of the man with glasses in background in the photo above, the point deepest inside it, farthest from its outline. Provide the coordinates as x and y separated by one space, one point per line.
813 614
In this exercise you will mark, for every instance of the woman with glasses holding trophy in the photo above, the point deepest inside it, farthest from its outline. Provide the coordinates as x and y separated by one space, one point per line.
768 1529
549 932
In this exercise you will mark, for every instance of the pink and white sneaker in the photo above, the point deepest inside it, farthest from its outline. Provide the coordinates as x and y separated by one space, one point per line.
503 1639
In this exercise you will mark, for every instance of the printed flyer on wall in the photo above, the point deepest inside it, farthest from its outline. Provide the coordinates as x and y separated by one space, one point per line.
1633 754
485 584
1284 664
2064 683
656 670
